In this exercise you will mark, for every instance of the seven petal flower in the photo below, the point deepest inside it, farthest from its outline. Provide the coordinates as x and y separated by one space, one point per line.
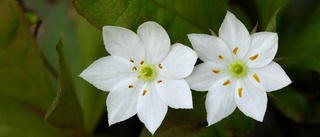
143 74
237 70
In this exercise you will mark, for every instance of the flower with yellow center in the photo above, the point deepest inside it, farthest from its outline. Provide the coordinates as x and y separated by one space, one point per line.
144 74
237 71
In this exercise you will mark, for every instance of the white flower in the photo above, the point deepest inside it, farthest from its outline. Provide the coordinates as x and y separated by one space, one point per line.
237 71
143 74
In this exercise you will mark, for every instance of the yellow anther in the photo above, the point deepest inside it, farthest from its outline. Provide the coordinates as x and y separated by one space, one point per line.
134 68
226 83
256 77
144 92
159 81
235 50
130 86
131 60
220 57
254 57
141 62
240 92
160 66
216 71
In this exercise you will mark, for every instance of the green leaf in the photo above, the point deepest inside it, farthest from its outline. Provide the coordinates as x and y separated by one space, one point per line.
302 46
266 10
192 122
25 91
172 15
56 19
92 48
272 25
65 112
83 45
296 106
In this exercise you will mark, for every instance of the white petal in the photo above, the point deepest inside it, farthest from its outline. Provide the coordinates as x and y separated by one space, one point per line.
265 45
235 34
255 80
272 77
253 101
122 101
179 63
108 71
151 109
202 77
209 48
220 101
175 93
156 41
123 42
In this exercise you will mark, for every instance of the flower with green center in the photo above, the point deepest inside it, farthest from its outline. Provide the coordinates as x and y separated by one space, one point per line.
237 71
144 74
147 72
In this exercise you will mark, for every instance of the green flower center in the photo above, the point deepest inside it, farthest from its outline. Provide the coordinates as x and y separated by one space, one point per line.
147 72
238 69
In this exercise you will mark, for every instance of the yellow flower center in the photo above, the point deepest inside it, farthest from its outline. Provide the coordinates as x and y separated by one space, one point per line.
238 69
147 72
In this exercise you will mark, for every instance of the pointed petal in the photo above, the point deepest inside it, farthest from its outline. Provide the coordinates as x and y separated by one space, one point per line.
173 92
203 77
151 109
255 80
108 71
220 101
209 48
156 41
235 34
123 42
122 101
179 63
272 77
265 45
251 100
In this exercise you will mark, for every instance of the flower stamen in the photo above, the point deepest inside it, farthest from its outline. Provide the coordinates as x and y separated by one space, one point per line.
144 92
220 57
255 76
159 81
235 50
130 86
141 62
226 83
216 71
254 57
240 92
134 68
131 61
160 66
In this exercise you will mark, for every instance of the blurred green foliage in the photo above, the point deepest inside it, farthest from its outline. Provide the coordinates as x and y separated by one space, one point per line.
65 111
42 95
25 92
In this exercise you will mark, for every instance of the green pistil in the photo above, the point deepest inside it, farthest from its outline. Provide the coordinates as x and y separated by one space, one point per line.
238 69
147 72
